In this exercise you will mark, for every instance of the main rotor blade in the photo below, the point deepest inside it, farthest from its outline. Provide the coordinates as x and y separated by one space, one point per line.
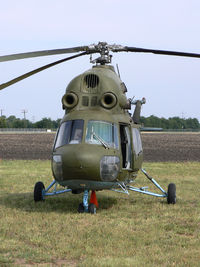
159 52
30 73
43 53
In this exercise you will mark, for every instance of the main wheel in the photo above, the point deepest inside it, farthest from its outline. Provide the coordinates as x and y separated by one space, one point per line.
171 194
92 208
38 189
81 208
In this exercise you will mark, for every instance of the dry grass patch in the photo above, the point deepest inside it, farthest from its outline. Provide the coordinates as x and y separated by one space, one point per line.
133 230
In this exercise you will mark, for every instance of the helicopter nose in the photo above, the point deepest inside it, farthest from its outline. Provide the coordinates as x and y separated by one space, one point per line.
81 161
88 162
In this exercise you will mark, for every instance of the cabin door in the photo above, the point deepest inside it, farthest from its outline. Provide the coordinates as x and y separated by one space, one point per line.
125 146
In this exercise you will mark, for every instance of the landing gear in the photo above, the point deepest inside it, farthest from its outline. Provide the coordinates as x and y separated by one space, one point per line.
92 207
171 194
80 208
39 191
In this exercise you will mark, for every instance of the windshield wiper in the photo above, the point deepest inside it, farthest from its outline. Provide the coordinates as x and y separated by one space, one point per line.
104 144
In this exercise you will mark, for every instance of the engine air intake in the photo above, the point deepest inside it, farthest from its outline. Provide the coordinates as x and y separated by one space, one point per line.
108 100
70 100
91 80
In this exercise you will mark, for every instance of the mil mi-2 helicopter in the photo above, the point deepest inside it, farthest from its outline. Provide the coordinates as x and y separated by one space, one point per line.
98 144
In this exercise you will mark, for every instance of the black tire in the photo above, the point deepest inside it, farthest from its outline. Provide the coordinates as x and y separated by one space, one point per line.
38 189
81 208
92 208
171 194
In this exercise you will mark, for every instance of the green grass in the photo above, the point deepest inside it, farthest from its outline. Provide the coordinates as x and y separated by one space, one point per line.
135 230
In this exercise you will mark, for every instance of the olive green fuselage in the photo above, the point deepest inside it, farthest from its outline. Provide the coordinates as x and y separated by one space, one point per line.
97 101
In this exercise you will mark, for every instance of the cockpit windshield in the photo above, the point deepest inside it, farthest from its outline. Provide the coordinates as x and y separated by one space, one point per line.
102 133
70 132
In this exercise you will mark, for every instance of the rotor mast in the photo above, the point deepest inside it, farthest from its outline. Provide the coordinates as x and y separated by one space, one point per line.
103 49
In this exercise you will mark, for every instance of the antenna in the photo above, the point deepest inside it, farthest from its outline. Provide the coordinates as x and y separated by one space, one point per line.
118 70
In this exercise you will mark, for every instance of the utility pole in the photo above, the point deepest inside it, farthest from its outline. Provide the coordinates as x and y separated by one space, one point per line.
1 112
24 111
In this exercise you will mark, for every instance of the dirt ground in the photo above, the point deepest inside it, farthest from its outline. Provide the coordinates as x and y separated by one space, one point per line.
26 145
171 146
156 146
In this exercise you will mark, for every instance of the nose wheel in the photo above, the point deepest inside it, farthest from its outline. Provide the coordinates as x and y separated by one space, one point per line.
81 208
92 207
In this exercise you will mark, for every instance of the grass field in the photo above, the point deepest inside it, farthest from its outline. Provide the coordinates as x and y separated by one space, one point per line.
133 230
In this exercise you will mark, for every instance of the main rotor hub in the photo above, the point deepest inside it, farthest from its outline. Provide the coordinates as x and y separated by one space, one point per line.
103 49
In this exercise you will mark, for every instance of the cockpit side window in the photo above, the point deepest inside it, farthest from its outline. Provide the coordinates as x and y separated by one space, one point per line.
76 132
70 132
137 143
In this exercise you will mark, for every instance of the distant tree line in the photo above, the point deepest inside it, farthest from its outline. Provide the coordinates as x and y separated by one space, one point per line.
13 122
171 123
151 121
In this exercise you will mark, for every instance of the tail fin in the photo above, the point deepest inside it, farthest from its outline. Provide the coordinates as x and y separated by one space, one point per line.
138 104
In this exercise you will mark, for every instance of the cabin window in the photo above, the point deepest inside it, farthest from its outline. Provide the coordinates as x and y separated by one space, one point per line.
70 132
102 133
137 143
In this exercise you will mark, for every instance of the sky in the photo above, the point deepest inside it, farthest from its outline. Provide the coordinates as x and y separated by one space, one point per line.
171 85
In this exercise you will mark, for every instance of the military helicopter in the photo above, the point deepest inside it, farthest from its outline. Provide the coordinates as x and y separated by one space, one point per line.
98 144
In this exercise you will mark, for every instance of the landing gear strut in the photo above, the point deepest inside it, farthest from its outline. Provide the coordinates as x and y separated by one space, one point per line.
170 194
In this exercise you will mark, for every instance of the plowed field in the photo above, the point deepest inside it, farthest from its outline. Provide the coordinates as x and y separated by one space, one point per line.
157 146
171 146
